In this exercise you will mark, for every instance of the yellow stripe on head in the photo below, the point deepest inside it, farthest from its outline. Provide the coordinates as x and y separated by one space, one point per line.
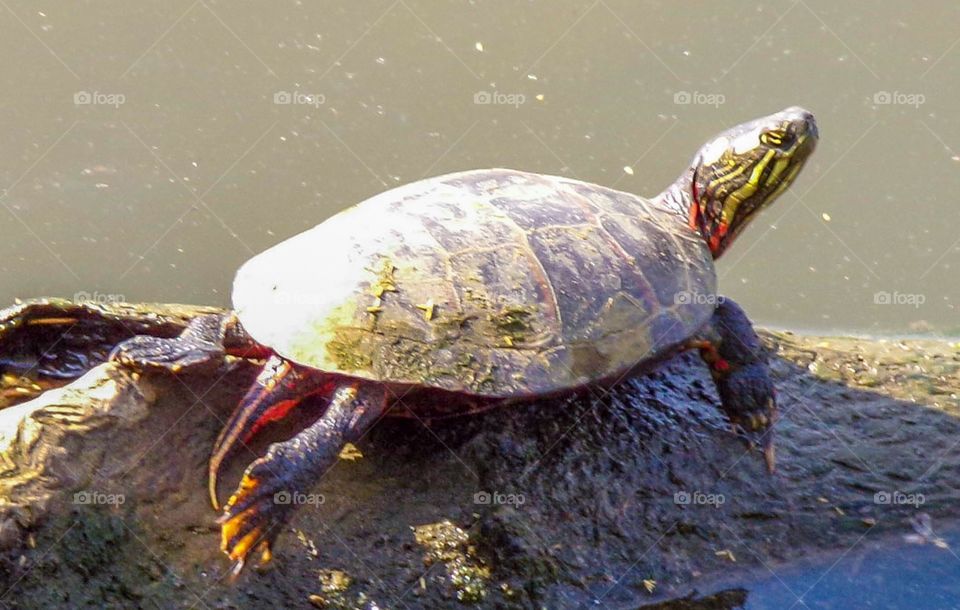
733 201
745 168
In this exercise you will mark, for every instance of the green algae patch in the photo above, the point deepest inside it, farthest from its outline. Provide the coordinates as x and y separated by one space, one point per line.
348 351
335 593
514 324
339 339
446 543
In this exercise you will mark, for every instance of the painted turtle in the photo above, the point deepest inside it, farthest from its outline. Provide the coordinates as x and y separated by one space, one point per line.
480 288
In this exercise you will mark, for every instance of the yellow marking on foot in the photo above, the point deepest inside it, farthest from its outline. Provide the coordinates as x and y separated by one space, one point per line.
266 555
242 548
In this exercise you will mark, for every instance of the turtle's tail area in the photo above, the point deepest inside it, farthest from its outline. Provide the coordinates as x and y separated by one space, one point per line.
279 388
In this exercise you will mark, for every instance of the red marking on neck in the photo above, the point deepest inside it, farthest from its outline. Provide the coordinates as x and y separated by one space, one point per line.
693 214
716 237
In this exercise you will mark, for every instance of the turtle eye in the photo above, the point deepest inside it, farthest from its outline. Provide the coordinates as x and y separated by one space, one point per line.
776 138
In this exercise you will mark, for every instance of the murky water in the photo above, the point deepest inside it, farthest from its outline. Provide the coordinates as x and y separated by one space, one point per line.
149 150
878 577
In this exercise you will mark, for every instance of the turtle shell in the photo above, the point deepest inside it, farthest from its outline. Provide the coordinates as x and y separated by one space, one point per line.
496 283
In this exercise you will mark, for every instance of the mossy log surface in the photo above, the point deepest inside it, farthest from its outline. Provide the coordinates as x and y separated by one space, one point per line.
616 499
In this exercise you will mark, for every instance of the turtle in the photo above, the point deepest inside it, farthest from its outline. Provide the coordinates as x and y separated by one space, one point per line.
481 288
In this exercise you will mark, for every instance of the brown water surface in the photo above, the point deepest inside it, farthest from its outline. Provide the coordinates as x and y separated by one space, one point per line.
150 148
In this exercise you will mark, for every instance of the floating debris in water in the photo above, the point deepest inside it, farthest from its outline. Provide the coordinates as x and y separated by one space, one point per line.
922 524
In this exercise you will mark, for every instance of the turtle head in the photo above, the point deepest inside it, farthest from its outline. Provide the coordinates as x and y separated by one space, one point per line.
743 169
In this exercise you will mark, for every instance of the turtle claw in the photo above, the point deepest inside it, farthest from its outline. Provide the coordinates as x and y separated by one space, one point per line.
266 556
272 486
253 516
748 398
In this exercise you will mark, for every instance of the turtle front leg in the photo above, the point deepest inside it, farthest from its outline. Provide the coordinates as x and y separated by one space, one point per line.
264 500
61 339
202 345
738 362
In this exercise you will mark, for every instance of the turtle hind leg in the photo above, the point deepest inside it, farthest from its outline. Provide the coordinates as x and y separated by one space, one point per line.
199 346
279 388
276 483
738 363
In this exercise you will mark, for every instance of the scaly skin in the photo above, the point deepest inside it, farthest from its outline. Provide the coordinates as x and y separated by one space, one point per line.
738 363
731 178
272 484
